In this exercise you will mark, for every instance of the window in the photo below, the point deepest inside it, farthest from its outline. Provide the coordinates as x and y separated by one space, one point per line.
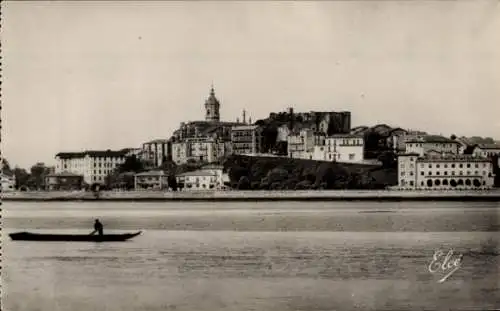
422 173
351 156
411 182
453 165
460 165
430 173
446 166
437 173
411 173
430 165
437 165
445 172
477 165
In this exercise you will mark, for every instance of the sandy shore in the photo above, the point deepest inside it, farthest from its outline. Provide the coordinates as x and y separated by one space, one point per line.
327 195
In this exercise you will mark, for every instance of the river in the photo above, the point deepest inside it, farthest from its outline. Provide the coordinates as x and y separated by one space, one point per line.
253 256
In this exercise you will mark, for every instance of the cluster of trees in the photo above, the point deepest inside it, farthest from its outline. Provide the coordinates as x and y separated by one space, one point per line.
123 176
34 179
253 173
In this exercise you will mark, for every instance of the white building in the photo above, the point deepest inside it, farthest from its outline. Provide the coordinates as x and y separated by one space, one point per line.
8 183
151 180
486 150
208 178
302 144
444 172
93 165
204 149
246 139
428 143
283 133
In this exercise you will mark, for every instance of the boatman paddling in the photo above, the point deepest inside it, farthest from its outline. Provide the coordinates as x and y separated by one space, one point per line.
97 227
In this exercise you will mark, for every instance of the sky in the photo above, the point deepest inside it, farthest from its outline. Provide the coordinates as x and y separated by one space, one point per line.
108 75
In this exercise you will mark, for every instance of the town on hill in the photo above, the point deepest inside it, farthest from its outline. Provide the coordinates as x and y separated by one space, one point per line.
288 150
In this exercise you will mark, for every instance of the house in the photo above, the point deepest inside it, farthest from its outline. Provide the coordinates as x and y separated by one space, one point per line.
8 183
207 178
64 181
436 143
486 150
151 180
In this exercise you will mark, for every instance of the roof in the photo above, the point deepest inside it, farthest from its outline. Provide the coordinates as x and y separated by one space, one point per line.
489 146
345 136
92 153
158 141
433 139
151 173
198 173
454 158
407 154
65 174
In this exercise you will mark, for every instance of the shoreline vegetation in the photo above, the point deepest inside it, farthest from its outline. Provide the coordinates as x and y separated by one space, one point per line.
292 195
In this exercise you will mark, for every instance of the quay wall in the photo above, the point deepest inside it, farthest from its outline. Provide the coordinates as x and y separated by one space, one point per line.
293 195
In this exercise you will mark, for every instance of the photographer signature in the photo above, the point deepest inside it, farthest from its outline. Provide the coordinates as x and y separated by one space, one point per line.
445 263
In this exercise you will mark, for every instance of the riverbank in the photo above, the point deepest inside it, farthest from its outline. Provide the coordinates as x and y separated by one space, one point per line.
302 195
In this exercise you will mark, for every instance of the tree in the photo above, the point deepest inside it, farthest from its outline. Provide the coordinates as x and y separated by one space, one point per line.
131 164
388 159
38 173
172 182
244 183
22 177
235 173
6 167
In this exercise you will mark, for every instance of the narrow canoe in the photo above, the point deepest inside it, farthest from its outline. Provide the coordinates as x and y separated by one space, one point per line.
29 236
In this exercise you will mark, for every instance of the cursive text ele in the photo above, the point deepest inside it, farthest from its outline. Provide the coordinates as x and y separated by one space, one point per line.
446 263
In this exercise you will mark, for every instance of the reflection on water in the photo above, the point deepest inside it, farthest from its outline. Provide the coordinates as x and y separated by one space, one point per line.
376 261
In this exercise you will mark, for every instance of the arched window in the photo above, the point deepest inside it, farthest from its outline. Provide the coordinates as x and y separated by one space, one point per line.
477 183
453 183
468 182
460 182
429 182
445 182
437 182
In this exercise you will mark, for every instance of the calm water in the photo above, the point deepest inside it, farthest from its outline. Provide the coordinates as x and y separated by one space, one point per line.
253 256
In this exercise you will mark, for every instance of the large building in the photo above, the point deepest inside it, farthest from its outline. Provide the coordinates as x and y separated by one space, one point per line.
300 145
94 166
212 125
200 149
156 152
246 139
347 148
151 180
444 172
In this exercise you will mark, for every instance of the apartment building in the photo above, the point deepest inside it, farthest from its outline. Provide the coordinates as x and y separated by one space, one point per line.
156 152
433 143
204 149
246 139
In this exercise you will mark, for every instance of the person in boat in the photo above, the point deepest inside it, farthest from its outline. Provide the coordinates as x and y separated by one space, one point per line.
98 227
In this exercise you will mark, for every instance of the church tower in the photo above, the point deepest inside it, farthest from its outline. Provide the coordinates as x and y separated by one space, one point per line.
212 107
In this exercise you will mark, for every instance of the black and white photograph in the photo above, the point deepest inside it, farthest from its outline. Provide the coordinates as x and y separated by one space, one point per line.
250 155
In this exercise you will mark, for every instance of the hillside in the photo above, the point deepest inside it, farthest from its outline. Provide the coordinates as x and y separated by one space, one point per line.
268 173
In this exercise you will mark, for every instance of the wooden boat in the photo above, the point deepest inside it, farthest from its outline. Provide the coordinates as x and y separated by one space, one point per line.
28 236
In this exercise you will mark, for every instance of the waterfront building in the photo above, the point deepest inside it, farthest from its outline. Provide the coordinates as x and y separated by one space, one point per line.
93 165
301 144
246 139
444 172
64 181
151 180
156 152
208 178
432 143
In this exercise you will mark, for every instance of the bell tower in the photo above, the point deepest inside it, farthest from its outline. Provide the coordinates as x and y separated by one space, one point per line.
212 107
